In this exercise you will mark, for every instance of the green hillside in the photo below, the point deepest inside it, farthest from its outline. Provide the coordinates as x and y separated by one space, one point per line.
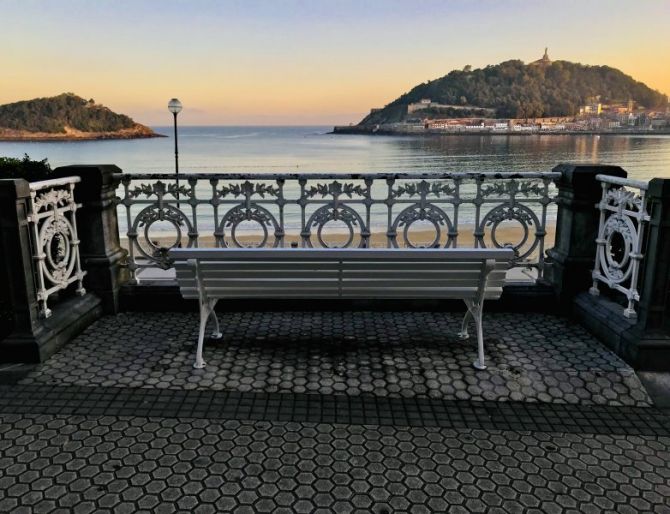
53 115
517 90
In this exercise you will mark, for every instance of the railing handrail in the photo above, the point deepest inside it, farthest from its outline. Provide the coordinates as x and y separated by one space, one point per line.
627 182
45 184
348 176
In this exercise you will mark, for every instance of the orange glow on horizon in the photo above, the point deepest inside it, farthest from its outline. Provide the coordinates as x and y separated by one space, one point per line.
260 63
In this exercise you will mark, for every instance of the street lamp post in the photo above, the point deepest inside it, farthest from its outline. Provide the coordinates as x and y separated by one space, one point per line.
174 106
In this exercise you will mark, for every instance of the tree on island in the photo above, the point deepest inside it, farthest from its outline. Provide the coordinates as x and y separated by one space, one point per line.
517 90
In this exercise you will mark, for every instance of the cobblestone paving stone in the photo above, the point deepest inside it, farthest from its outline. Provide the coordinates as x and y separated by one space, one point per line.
536 357
115 464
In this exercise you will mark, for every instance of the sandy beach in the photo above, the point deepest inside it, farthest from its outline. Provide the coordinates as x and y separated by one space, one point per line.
504 234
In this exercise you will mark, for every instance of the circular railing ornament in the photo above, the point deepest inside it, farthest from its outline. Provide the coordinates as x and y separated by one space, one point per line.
617 271
416 213
55 239
344 214
153 214
240 214
523 216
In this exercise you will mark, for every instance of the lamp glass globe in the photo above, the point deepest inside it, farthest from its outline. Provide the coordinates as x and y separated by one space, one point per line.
174 106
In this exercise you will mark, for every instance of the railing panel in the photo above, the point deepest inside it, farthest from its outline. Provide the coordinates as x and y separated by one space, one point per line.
623 222
54 240
337 210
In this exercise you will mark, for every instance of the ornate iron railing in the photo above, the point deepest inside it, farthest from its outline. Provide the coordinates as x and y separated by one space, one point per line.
623 220
327 210
54 240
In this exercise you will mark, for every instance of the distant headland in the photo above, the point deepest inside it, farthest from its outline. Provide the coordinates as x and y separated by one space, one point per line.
512 97
66 117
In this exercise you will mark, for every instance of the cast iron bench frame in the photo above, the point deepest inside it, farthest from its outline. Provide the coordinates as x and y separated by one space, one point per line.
469 274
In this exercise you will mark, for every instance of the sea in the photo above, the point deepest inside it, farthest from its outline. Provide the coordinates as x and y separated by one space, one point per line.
221 149
313 149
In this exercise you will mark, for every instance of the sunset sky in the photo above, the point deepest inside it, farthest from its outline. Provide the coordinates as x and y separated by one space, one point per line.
302 61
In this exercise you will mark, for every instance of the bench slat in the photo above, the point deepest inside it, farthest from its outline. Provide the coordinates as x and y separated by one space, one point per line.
409 283
383 254
381 275
291 281
270 265
418 264
220 275
260 292
365 293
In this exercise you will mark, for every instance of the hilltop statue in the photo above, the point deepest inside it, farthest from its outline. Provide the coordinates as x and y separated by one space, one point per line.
545 58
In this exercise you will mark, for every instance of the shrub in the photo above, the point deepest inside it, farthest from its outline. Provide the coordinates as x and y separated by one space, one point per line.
25 168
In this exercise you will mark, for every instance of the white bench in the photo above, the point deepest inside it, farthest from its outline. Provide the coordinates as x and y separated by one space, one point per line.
470 274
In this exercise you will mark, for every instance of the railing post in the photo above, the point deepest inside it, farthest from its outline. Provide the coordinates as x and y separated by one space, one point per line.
18 300
654 305
646 345
25 336
98 228
573 254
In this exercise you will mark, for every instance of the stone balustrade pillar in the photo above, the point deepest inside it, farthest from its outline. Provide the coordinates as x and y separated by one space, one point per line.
98 228
24 335
18 299
573 255
654 305
647 343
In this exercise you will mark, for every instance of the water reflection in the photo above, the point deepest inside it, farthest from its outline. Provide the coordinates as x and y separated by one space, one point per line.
294 149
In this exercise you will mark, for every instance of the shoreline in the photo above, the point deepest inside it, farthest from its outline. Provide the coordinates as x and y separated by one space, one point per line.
369 132
69 134
69 139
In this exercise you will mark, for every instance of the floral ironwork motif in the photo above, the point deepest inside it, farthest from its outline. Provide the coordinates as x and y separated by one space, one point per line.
248 189
54 238
160 189
623 199
336 189
424 188
623 221
512 188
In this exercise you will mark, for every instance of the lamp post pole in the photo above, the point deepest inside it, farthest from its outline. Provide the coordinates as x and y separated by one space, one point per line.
174 106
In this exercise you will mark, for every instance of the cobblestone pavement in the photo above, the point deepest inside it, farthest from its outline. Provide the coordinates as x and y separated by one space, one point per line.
105 464
332 412
535 357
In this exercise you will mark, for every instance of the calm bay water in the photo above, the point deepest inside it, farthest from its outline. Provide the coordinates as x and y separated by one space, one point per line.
281 149
312 149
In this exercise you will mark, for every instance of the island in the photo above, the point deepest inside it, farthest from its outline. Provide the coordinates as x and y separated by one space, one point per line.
66 117
544 96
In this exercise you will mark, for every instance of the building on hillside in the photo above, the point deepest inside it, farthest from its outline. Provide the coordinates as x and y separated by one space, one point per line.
591 109
424 103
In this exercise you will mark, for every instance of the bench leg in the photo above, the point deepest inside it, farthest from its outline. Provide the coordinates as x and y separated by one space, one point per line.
475 310
217 332
204 314
463 334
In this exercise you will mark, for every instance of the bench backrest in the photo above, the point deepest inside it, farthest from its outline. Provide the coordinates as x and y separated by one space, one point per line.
350 273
